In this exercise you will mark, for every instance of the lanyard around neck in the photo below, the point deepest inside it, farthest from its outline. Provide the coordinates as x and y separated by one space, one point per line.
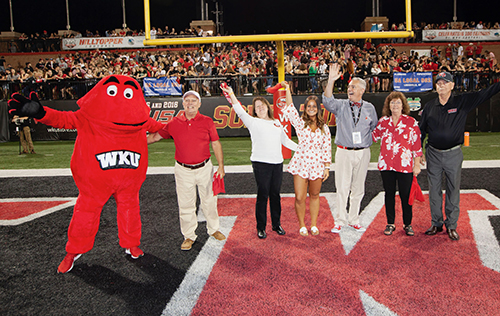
354 118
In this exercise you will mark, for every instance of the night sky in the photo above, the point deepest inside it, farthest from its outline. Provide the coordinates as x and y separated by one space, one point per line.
240 17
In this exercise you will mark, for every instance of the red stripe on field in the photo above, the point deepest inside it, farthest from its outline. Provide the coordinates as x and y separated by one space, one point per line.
295 275
16 210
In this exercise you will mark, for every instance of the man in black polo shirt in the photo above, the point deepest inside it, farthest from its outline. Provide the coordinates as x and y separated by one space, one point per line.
443 120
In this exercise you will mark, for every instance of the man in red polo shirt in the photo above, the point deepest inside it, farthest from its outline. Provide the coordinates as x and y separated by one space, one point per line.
193 133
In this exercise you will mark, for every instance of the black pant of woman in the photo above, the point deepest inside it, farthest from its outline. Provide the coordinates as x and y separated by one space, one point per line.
268 177
404 180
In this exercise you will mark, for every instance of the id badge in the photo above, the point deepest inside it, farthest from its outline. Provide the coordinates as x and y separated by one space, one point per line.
356 137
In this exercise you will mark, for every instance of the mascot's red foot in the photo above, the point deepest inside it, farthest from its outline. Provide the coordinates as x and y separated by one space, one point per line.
67 263
134 252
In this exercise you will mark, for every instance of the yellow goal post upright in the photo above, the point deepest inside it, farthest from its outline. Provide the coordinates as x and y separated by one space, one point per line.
278 38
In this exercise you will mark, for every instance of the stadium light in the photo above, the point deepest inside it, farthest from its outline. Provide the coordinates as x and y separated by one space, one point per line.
124 25
68 27
11 17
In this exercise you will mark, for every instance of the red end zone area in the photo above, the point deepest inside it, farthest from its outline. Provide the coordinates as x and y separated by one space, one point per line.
17 211
314 275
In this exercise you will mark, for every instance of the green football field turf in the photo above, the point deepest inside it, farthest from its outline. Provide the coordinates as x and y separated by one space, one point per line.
237 150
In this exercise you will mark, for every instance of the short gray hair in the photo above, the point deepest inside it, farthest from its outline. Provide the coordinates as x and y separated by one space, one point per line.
360 82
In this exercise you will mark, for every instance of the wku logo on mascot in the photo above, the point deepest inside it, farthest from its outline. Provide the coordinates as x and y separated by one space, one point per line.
110 158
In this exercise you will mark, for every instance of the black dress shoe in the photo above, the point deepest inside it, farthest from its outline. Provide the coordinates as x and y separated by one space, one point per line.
452 233
261 233
434 230
279 230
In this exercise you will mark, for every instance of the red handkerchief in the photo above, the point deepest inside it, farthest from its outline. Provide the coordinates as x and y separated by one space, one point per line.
415 192
218 185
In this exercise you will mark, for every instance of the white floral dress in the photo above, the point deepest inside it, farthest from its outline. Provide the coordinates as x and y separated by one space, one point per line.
315 148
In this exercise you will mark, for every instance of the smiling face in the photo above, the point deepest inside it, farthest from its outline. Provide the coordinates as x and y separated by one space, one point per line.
311 108
396 106
261 110
355 91
117 99
191 105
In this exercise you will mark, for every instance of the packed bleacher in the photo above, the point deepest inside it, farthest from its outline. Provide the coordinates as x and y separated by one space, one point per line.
249 68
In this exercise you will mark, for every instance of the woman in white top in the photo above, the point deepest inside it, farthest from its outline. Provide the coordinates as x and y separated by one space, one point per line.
267 136
310 165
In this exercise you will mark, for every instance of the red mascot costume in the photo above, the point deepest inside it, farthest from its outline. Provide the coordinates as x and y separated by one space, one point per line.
110 158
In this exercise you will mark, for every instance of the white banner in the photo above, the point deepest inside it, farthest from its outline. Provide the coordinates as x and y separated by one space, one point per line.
102 42
461 35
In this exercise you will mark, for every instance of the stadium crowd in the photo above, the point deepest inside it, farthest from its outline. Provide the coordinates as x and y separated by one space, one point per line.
45 42
461 25
249 68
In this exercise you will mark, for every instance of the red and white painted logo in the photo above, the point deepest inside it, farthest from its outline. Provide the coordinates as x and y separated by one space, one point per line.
18 211
350 273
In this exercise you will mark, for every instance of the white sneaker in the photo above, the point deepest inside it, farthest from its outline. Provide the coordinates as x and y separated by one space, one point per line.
358 227
336 229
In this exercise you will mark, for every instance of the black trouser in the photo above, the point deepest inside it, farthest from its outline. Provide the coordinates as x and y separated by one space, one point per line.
404 180
268 177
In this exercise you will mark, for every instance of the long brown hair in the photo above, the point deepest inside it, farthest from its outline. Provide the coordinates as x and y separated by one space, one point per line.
270 112
320 122
386 111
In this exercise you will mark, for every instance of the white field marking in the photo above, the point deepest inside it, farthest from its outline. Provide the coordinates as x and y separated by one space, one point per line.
16 173
372 307
13 222
486 241
349 237
186 296
188 292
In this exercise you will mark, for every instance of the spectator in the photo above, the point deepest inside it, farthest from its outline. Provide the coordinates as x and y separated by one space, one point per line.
267 136
24 131
353 140
375 80
193 168
443 149
310 166
399 133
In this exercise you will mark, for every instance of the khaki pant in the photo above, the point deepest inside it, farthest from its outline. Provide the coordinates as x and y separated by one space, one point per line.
186 182
350 174
25 137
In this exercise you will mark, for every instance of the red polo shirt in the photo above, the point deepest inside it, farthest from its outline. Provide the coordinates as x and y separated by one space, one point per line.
191 137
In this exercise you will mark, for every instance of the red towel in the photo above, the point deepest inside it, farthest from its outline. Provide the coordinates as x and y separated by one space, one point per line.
272 90
228 97
218 185
416 192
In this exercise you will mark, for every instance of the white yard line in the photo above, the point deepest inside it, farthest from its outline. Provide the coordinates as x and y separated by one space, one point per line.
17 173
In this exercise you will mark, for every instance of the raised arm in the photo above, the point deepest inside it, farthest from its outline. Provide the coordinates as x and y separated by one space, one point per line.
238 108
333 75
229 93
289 99
290 112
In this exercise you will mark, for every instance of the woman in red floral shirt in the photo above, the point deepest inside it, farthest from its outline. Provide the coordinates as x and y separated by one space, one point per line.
399 160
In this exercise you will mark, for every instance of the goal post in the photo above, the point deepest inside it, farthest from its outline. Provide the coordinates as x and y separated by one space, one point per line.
278 38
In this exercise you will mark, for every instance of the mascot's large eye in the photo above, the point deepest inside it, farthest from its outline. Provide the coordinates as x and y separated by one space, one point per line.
128 93
112 90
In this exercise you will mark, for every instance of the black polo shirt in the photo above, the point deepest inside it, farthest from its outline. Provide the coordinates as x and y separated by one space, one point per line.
445 124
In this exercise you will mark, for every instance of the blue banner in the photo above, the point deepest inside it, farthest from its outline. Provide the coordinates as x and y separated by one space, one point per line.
161 87
412 81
